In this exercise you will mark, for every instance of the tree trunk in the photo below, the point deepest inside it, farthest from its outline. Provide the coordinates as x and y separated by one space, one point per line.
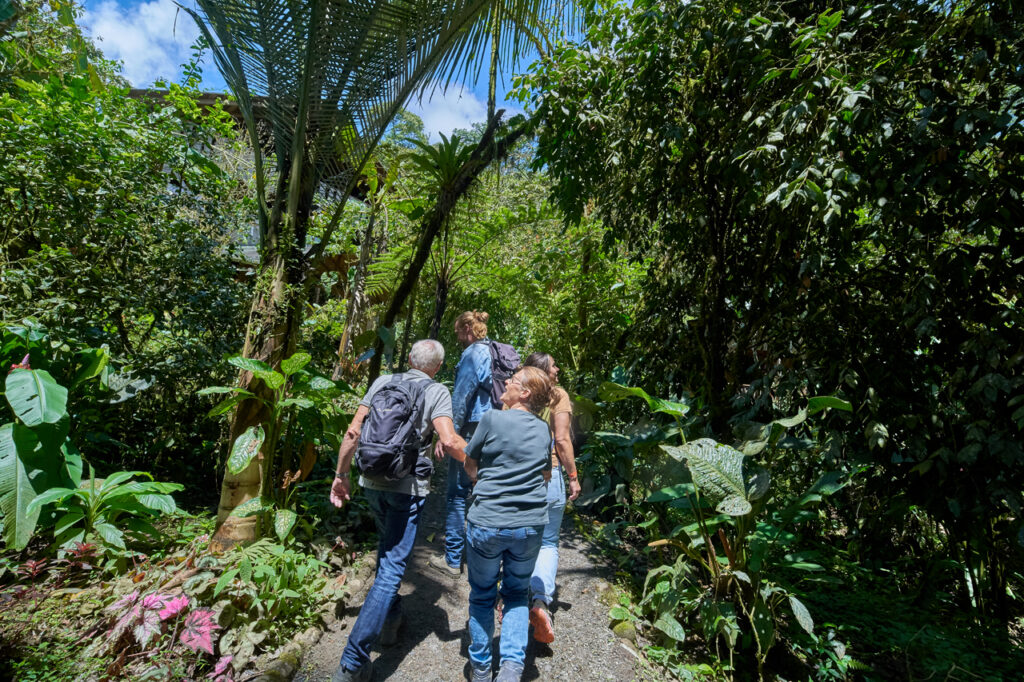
271 336
440 305
273 330
485 152
356 299
403 355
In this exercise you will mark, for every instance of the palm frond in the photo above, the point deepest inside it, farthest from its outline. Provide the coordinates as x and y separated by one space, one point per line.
513 21
328 76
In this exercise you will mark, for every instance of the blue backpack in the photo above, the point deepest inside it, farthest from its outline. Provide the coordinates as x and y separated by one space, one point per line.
390 441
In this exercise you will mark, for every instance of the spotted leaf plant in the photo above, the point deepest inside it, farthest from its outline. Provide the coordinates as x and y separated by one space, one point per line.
303 409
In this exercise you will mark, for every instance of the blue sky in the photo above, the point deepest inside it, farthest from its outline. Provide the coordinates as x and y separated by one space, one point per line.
152 39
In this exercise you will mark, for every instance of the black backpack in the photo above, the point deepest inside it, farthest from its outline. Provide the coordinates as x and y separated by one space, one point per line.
390 441
504 363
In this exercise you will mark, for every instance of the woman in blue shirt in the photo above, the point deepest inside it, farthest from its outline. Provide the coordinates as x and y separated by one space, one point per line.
471 400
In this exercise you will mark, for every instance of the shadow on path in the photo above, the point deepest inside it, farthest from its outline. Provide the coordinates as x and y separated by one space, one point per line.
434 640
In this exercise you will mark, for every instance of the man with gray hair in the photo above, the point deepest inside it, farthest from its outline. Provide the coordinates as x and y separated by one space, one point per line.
396 499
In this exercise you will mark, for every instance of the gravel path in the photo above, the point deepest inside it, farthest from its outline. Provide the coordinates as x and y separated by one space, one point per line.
433 641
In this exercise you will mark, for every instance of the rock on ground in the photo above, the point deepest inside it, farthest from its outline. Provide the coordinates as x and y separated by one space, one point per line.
433 641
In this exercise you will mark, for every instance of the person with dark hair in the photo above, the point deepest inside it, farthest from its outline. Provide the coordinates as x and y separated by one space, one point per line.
507 457
559 419
471 400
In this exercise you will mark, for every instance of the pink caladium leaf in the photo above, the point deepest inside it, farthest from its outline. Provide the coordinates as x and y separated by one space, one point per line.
147 628
222 671
154 601
173 607
124 602
197 633
129 608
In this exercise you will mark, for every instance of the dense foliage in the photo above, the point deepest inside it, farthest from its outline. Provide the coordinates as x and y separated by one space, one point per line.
114 229
797 222
830 199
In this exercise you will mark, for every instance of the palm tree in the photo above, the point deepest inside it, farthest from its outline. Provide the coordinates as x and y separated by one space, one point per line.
318 82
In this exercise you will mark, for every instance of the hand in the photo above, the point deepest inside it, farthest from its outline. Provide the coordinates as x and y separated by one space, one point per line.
438 450
574 488
547 475
340 491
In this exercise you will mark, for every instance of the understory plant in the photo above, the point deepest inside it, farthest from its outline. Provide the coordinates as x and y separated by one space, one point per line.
153 624
36 451
104 510
736 535
258 592
303 414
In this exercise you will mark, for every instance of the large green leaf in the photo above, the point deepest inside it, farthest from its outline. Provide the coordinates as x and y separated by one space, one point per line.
716 469
721 476
612 392
260 370
110 534
91 362
36 397
245 448
162 503
672 492
249 364
17 443
72 469
225 406
671 627
273 380
763 620
802 615
823 402
44 498
296 362
284 521
250 507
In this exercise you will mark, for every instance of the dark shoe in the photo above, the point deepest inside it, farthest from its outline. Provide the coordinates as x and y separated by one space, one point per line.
361 675
540 619
441 564
389 633
480 674
509 672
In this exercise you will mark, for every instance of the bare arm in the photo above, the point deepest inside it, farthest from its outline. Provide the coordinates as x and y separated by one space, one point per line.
453 445
470 466
564 452
448 442
340 493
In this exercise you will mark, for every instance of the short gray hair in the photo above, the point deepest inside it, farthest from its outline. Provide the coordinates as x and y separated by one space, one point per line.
426 354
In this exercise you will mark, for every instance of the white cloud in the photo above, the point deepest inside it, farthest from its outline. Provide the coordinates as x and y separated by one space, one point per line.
443 112
151 38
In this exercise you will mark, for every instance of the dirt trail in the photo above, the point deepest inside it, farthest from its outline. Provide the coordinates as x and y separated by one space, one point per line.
433 641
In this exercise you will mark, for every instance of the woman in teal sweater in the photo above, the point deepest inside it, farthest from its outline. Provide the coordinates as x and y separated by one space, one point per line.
507 457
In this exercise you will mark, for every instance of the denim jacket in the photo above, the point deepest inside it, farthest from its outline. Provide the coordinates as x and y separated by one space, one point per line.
471 397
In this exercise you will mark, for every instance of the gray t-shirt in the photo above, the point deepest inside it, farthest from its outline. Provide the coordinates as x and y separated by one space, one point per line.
512 449
437 402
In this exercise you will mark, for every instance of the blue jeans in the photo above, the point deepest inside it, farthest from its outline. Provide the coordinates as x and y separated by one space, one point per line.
459 487
542 584
397 516
510 552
